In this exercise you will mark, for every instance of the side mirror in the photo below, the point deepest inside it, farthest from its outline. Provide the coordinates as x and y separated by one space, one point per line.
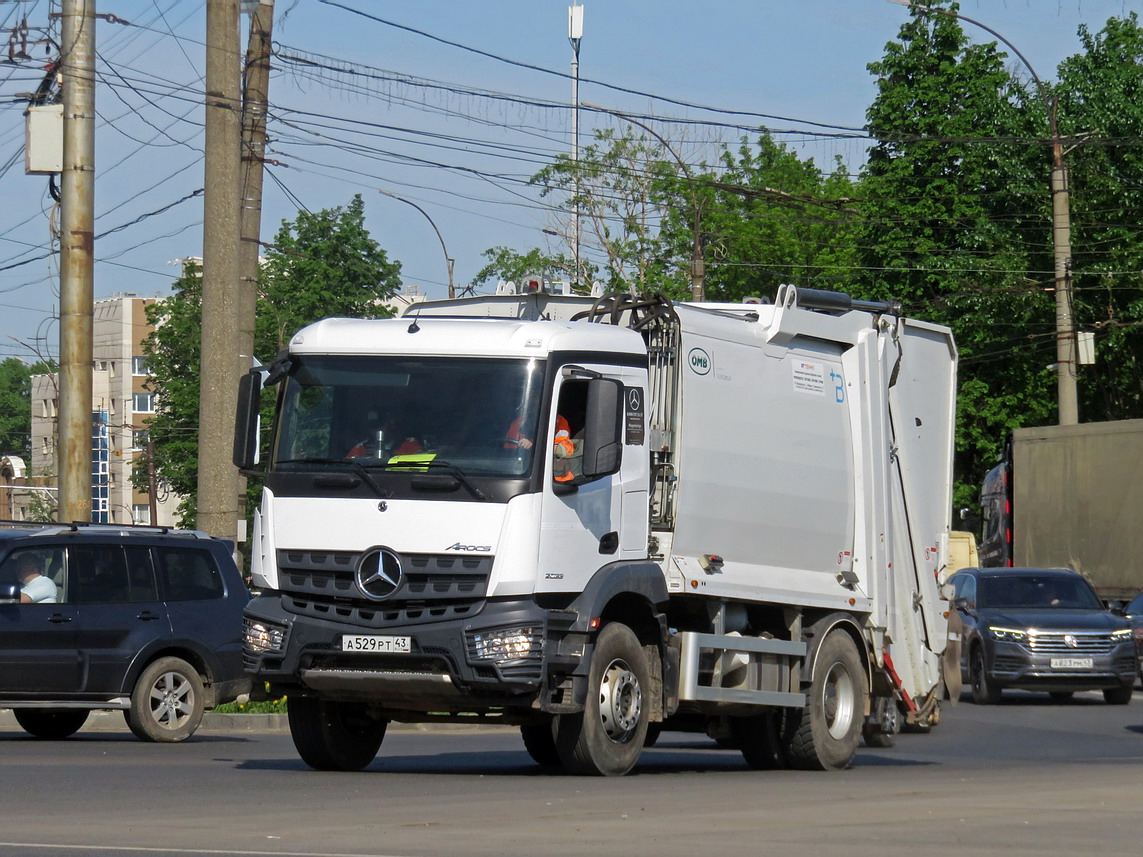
9 593
603 428
1115 607
962 604
247 420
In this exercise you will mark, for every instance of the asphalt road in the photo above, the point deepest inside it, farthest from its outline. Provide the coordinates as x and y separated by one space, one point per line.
1027 777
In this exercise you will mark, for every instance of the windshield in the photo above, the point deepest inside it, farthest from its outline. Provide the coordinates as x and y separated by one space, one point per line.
1049 591
474 415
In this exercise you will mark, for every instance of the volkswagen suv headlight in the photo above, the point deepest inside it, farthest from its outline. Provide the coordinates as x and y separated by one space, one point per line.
1008 635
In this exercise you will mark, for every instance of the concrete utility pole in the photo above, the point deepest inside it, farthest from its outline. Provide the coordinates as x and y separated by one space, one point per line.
77 259
221 362
255 96
1066 356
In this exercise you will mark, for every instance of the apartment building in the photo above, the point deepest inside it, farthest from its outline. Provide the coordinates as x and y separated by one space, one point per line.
120 406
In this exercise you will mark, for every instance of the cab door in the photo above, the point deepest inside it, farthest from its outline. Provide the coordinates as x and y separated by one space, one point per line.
583 525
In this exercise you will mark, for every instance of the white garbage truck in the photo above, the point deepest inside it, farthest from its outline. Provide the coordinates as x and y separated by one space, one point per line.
598 518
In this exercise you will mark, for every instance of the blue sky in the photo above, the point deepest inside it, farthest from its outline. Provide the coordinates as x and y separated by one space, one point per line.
363 104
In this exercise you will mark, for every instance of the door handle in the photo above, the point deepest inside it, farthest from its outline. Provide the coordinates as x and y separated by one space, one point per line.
58 618
148 616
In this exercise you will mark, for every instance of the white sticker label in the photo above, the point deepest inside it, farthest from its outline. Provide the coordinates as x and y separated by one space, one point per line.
809 377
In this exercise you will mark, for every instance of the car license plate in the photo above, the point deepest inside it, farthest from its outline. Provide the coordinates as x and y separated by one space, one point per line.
373 643
1071 663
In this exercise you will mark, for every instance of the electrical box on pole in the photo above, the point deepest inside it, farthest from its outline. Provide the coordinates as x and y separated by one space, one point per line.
43 139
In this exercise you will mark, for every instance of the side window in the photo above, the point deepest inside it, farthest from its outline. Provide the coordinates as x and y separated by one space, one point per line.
39 572
141 580
187 574
966 588
97 574
567 442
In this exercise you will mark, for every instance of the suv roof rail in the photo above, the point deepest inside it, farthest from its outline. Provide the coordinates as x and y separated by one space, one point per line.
53 528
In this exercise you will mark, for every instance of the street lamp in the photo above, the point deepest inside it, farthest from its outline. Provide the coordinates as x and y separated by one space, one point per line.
1061 232
575 36
448 259
698 264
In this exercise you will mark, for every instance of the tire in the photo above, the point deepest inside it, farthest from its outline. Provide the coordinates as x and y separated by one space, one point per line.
540 742
50 724
654 730
334 736
167 702
1061 695
606 738
829 727
759 738
883 732
984 691
1117 695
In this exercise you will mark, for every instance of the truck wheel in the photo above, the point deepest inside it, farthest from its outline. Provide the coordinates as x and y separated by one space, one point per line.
334 736
49 724
167 702
1117 695
887 723
984 691
540 742
606 738
759 738
827 735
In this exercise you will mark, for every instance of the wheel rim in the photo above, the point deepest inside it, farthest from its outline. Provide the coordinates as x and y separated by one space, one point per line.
620 702
172 700
837 700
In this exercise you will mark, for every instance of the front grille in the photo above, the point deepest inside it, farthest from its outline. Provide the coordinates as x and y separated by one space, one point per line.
1086 643
435 588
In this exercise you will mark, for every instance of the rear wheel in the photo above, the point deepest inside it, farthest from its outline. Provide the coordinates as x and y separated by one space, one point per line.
606 738
540 742
830 725
1117 695
167 702
334 736
49 724
760 740
984 691
882 732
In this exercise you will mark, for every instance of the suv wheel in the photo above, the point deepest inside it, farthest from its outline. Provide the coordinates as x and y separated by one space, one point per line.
49 724
167 702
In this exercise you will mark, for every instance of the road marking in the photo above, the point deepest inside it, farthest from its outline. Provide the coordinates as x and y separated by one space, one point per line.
121 849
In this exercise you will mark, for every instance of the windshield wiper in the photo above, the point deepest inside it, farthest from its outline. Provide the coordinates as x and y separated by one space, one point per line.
448 466
352 462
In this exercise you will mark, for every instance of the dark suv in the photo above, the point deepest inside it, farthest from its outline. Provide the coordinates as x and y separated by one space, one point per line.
1041 629
143 619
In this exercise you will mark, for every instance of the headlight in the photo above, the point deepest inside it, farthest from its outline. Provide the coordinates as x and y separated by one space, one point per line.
1122 635
262 636
1008 635
503 645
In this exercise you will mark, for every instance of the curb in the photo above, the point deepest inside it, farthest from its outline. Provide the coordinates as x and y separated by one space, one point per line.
230 724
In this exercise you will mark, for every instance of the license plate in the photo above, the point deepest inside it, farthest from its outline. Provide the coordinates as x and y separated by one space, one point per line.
374 643
1071 663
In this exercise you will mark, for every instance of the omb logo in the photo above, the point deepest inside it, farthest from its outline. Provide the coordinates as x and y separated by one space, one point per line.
699 361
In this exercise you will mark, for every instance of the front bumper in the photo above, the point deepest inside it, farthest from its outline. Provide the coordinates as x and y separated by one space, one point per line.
1014 665
444 671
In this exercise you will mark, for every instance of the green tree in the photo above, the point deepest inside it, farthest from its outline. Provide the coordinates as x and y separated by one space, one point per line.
955 209
767 218
615 182
16 405
320 265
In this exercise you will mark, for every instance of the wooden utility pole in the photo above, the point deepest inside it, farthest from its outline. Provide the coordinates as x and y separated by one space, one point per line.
218 479
77 259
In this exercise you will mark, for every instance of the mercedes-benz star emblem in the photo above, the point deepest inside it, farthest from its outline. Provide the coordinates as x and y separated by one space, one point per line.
379 573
